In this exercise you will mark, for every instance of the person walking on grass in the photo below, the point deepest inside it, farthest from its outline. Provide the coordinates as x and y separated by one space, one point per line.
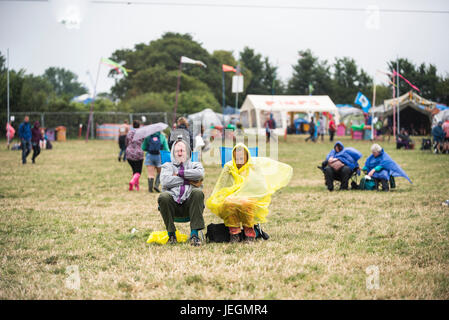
182 196
134 155
332 129
311 131
36 137
122 133
153 145
25 138
321 128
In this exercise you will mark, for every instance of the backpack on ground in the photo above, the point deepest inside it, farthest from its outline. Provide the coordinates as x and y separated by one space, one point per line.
220 233
155 145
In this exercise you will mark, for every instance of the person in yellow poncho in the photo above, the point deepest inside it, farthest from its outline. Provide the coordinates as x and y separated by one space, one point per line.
243 191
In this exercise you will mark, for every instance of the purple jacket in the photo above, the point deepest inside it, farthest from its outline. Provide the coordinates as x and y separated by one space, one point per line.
36 134
133 148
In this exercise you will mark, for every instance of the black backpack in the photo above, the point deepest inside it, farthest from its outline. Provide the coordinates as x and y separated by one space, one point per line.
220 233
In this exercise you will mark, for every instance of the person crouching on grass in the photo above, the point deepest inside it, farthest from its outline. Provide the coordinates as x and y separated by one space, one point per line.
243 191
181 195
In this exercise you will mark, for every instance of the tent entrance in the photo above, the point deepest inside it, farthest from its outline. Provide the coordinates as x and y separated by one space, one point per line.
415 122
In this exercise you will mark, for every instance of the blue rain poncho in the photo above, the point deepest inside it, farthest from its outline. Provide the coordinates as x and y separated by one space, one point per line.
388 167
349 156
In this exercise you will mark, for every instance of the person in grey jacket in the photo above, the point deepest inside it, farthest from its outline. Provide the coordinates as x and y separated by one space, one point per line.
182 197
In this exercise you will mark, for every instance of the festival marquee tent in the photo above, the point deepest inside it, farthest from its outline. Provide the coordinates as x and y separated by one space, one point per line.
415 112
257 108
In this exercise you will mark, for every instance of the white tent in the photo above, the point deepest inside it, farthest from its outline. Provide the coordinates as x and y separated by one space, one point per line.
257 108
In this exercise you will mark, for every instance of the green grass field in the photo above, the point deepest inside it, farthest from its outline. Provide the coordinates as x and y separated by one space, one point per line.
72 208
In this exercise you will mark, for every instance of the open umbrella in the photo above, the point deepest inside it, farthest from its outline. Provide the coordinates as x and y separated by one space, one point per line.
149 130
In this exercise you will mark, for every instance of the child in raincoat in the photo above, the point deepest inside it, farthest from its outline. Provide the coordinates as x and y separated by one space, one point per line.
243 191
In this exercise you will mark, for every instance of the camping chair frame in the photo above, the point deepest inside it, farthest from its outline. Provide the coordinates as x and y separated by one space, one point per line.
185 220
352 179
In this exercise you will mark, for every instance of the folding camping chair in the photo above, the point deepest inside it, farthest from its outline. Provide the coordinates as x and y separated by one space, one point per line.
353 178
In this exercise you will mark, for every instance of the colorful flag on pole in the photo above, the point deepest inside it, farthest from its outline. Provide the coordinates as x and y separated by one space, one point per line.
115 65
227 68
363 101
408 82
197 62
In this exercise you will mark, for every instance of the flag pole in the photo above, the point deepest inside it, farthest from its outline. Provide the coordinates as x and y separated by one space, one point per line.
372 108
397 80
89 123
7 100
394 109
177 91
224 96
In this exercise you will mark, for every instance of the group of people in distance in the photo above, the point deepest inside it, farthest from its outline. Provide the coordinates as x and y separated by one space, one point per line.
341 163
30 138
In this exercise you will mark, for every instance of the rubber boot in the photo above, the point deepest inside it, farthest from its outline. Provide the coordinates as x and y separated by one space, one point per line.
137 181
157 183
150 185
132 182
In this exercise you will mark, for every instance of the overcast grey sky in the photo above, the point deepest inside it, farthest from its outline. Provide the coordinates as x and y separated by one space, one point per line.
37 40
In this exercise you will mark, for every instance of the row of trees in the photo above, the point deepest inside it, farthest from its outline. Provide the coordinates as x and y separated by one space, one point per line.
151 84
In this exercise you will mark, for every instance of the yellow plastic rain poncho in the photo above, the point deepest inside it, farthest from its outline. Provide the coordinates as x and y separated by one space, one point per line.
243 195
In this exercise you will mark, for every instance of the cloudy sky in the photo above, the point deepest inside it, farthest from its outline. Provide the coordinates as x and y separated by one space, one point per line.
76 34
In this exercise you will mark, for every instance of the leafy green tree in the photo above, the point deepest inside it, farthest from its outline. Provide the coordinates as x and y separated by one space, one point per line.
254 63
36 93
155 66
309 70
442 90
348 80
65 82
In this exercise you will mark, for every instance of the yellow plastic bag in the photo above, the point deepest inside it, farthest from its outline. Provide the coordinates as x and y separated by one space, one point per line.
242 196
161 237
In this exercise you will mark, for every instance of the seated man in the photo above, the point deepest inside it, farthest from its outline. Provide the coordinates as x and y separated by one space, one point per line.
181 195
381 167
339 164
243 191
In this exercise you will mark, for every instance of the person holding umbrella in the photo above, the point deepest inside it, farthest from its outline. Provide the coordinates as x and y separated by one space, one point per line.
134 150
134 155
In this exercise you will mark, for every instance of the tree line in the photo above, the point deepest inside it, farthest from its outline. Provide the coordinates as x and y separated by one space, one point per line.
151 84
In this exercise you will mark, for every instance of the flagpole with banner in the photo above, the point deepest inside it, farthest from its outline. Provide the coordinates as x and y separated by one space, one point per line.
225 68
181 61
397 80
89 123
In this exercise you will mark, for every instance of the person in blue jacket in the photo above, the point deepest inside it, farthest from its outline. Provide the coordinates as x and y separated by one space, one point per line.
349 157
381 167
25 138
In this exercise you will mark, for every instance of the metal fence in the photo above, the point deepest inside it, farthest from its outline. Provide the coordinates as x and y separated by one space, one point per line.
73 121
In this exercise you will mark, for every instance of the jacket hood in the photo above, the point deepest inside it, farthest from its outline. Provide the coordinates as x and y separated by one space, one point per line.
188 152
234 164
340 144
